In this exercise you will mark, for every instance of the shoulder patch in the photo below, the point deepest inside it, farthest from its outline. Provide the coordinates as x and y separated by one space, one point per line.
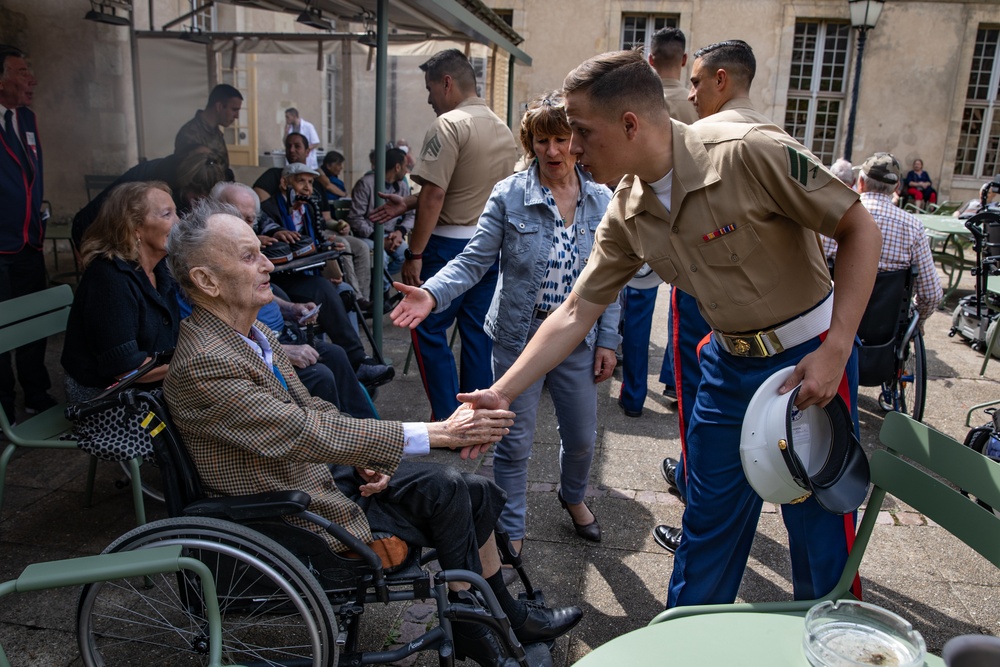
432 149
804 169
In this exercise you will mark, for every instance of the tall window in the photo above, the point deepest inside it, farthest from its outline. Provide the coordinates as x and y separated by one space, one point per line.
817 85
979 141
637 29
332 92
204 18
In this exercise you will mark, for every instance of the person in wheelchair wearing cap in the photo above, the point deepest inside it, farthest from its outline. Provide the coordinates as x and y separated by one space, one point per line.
250 427
727 212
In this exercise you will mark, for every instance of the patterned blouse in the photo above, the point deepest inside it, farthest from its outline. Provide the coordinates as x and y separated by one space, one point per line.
563 269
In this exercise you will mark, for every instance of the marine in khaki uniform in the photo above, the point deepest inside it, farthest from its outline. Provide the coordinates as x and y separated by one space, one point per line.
728 212
466 151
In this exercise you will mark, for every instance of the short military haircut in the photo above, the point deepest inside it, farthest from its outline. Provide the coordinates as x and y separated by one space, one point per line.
302 137
190 241
9 52
667 45
293 111
544 117
733 55
618 81
453 63
222 93
332 157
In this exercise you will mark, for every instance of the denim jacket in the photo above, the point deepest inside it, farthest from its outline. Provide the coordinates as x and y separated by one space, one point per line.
518 225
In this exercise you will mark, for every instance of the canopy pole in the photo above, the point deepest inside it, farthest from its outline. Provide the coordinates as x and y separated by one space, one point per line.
381 101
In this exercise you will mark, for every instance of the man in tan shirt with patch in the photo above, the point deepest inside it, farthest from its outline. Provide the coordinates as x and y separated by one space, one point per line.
729 213
466 151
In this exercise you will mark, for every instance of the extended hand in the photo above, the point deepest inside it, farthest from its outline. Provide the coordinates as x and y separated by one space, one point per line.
416 305
393 207
376 482
301 356
604 364
287 236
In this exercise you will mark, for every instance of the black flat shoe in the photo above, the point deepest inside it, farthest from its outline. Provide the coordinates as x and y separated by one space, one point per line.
668 537
544 624
591 532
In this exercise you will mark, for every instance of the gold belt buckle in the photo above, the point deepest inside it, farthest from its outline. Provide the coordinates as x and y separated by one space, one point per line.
748 346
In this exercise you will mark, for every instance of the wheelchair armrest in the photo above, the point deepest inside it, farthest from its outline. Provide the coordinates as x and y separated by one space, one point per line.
266 505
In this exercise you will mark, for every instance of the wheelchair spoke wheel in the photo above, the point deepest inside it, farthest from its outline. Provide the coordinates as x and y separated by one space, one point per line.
274 612
911 387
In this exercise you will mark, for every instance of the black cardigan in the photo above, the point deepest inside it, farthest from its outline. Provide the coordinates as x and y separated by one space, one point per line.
117 320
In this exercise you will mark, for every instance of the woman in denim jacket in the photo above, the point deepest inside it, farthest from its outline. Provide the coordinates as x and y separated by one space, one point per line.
541 223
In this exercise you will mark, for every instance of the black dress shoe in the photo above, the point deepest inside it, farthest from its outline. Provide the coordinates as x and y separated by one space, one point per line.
544 624
485 650
590 532
373 374
669 471
667 537
629 413
670 392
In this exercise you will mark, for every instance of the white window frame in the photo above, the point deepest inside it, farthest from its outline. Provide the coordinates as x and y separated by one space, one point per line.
988 141
667 20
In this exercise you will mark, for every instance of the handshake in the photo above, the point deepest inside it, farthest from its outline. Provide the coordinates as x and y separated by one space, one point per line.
481 420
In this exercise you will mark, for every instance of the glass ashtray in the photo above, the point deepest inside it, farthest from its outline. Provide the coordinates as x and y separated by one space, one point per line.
845 633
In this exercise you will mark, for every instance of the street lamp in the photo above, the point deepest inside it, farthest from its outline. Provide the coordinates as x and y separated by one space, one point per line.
864 16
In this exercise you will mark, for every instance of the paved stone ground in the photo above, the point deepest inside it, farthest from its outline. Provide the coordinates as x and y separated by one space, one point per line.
912 566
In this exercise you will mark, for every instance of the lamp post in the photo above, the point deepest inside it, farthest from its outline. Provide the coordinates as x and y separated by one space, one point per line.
864 16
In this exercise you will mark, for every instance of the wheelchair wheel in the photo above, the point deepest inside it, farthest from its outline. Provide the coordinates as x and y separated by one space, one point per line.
152 485
274 612
912 383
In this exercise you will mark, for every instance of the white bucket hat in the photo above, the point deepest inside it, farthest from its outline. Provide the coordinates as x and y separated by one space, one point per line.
789 454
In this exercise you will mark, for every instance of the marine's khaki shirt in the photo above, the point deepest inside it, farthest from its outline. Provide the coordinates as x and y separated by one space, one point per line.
466 152
746 203
737 110
675 94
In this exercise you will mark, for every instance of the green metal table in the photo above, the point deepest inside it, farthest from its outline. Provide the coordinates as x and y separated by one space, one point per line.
949 239
747 639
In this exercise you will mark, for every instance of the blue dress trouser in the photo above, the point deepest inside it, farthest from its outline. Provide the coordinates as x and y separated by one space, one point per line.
430 340
574 395
687 328
637 324
722 511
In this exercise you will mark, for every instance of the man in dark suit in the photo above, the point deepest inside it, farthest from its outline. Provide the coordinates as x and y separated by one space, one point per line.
22 230
250 427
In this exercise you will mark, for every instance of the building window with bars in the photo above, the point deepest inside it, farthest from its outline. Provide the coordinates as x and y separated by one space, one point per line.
817 86
979 140
638 29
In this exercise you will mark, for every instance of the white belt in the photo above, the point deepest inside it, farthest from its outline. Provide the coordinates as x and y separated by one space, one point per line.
770 342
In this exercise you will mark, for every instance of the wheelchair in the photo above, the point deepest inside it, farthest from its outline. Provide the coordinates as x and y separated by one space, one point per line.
892 354
285 597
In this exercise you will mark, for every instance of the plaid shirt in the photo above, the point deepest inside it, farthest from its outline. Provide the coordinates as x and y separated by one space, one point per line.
247 433
904 244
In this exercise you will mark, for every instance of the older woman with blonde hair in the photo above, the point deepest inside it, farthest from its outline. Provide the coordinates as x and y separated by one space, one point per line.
125 309
541 222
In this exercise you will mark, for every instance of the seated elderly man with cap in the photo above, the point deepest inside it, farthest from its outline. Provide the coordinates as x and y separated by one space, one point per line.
904 242
250 427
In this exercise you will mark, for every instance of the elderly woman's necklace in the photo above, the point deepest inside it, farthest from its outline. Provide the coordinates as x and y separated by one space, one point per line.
566 201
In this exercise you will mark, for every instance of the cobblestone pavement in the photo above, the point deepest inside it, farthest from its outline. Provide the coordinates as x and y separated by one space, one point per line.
912 566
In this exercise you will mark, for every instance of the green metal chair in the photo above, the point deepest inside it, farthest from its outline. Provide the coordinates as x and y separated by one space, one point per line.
939 457
106 567
24 320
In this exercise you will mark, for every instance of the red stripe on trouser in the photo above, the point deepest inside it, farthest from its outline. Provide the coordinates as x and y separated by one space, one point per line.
850 530
675 332
420 367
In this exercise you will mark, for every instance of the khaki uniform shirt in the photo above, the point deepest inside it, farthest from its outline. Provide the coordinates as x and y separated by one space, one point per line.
740 236
675 94
737 110
466 152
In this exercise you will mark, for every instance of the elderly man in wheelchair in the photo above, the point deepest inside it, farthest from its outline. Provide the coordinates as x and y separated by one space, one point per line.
250 427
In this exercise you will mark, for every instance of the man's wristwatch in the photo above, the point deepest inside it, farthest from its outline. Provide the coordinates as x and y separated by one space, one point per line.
412 255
